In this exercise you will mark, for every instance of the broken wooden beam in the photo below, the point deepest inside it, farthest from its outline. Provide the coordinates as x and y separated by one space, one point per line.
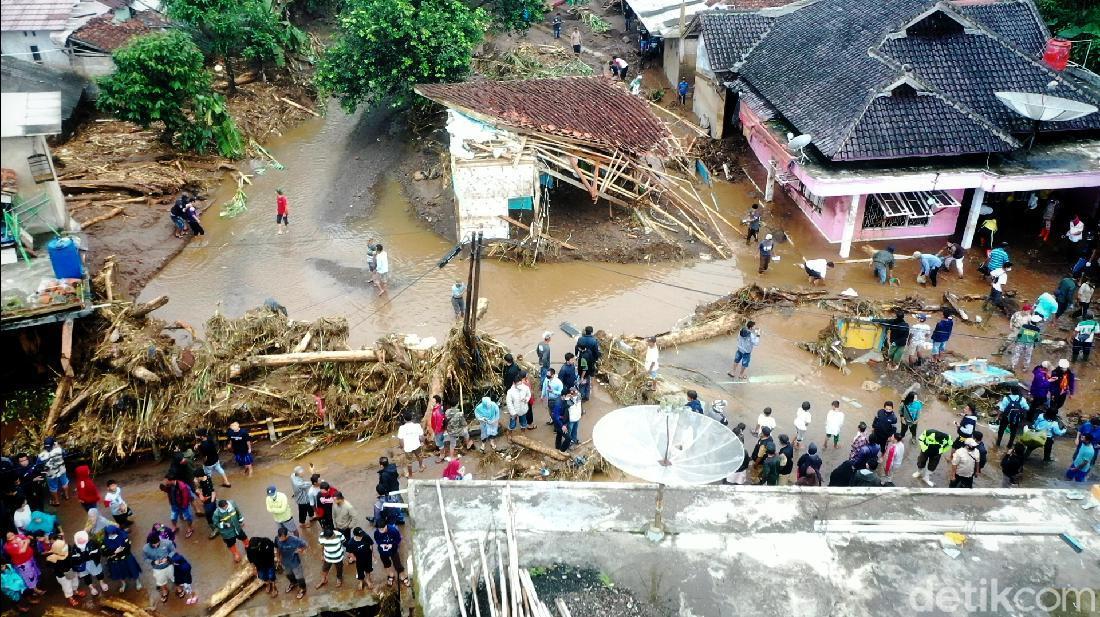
315 357
561 243
238 579
535 446
92 186
952 300
102 217
139 311
245 593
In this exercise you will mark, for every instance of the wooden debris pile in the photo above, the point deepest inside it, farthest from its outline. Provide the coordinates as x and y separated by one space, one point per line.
527 61
150 385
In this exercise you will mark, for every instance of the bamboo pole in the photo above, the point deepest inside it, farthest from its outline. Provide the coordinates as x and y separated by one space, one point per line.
313 357
503 581
450 552
487 577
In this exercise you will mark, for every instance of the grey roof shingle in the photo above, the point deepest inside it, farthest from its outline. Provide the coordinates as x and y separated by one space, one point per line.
823 66
1015 21
730 36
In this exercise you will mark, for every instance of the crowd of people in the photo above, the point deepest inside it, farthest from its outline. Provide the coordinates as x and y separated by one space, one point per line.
108 552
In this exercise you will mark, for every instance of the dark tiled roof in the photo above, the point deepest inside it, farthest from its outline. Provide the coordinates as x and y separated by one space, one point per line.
886 128
23 76
17 15
970 68
749 97
592 109
730 36
105 34
822 66
1016 22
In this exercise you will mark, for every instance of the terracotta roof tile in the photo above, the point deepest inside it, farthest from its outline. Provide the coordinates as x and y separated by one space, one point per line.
594 109
106 34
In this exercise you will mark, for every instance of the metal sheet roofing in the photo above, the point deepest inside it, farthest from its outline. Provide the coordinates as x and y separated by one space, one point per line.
30 113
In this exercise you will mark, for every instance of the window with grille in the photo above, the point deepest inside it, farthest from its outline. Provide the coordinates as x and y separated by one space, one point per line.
913 209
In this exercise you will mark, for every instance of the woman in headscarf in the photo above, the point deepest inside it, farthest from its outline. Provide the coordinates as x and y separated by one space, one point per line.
96 525
87 556
121 564
14 588
20 550
21 517
61 563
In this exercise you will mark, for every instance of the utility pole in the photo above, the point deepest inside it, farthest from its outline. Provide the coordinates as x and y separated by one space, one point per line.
473 284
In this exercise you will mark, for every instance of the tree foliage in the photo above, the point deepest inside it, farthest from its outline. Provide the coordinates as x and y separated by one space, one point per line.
161 78
511 15
385 47
251 29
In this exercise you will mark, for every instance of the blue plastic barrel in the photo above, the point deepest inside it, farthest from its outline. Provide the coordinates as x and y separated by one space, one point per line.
65 258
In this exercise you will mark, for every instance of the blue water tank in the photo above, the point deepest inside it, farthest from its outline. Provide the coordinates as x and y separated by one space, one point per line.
65 258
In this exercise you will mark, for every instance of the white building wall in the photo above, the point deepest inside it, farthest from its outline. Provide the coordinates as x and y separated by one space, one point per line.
14 155
482 190
18 44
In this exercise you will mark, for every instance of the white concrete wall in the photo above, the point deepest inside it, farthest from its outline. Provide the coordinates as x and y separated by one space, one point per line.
13 155
482 190
709 104
18 44
92 66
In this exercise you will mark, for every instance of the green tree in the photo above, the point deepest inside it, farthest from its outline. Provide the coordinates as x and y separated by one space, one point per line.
511 15
385 47
251 29
161 78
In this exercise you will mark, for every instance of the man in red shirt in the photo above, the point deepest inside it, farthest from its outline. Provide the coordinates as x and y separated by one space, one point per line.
282 211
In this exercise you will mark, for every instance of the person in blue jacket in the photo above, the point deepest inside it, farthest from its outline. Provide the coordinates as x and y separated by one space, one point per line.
387 540
1049 424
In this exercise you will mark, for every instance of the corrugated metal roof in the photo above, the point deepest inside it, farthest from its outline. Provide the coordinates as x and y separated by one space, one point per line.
30 113
22 76
48 15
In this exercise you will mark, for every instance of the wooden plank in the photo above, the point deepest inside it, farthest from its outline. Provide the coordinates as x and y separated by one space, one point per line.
314 357
239 578
535 446
67 348
568 180
247 592
545 236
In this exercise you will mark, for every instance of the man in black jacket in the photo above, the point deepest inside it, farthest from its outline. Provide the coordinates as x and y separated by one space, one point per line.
1012 466
884 426
897 335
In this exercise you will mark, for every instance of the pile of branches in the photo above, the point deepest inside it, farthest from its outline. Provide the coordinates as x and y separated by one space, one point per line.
529 61
753 298
149 386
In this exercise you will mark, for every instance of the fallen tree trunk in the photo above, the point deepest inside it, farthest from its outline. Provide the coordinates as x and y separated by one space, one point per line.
63 386
94 186
238 579
535 446
719 326
247 592
314 357
141 310
124 607
102 217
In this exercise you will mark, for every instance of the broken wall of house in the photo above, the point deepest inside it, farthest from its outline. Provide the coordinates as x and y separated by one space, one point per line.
483 190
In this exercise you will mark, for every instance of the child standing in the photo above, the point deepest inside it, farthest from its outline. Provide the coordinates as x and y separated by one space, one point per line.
282 212
181 573
895 452
120 510
834 420
802 419
86 490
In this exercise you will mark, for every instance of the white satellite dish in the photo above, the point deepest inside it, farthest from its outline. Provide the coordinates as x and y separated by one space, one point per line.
1043 107
668 446
798 145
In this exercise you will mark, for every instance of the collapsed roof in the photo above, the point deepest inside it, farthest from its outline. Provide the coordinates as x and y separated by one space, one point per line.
882 79
587 109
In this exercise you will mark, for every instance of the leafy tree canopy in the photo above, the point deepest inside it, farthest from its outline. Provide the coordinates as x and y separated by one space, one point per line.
161 78
250 29
385 47
517 14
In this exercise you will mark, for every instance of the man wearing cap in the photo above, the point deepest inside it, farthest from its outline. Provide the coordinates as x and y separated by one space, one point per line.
920 335
1026 339
767 249
964 464
53 460
882 262
278 504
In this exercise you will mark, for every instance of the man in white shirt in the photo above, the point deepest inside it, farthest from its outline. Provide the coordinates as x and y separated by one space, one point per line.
518 401
816 269
1084 298
764 419
381 268
999 277
411 436
802 419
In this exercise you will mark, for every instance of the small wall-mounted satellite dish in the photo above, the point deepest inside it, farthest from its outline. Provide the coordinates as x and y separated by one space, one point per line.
985 211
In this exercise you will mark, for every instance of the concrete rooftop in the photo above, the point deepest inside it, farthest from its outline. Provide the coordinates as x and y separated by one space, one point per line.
760 551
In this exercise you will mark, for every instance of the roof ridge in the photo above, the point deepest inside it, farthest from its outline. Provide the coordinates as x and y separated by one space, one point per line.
957 105
855 121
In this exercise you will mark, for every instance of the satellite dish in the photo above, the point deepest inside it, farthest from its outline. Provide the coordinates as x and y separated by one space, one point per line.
1043 107
985 211
676 446
796 144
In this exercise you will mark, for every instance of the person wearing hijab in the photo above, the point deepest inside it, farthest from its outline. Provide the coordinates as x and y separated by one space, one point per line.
96 525
86 490
87 555
15 590
451 471
20 550
121 564
61 564
41 521
21 517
